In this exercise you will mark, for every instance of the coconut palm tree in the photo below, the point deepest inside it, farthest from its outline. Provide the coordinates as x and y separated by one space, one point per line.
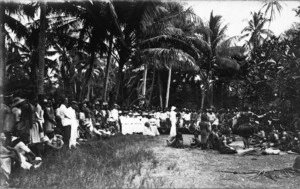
255 30
218 52
271 7
2 46
94 24
41 49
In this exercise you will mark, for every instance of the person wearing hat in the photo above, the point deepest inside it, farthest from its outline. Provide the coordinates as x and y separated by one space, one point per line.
173 120
16 108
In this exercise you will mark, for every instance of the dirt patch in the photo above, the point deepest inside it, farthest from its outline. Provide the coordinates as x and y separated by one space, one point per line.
195 168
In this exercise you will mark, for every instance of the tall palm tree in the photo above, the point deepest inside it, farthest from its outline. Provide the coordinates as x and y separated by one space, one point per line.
210 39
255 30
93 23
7 8
41 48
271 7
2 46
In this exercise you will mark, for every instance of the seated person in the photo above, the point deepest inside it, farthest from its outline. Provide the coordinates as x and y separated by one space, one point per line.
8 156
224 148
176 141
213 140
154 124
147 130
195 141
28 159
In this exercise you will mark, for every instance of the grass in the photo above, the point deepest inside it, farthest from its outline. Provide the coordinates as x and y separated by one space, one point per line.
112 163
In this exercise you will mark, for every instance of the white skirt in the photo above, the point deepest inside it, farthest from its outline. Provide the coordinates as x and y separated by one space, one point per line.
173 129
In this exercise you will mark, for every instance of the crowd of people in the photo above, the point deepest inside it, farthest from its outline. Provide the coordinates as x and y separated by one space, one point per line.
217 129
35 125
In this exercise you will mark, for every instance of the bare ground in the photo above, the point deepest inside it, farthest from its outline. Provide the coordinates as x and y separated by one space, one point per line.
195 168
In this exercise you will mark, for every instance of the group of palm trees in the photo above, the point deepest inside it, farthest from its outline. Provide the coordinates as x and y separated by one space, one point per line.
79 45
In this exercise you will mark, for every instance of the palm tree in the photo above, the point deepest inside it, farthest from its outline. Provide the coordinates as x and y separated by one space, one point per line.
210 39
41 48
255 30
272 6
93 23
2 46
7 8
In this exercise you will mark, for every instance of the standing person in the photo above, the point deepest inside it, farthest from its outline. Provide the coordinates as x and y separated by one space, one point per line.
205 129
39 113
65 121
212 118
173 120
49 117
74 125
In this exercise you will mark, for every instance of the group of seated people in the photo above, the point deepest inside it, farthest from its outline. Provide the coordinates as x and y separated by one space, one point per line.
215 131
33 126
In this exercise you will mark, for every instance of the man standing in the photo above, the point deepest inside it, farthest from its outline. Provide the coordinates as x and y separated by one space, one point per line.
65 121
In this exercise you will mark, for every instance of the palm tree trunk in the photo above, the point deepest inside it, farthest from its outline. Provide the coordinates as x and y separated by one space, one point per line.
160 90
2 47
88 92
168 87
42 42
202 98
119 80
107 68
145 81
152 85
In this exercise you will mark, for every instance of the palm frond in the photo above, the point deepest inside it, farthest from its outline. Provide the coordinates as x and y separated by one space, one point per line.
162 57
227 63
170 41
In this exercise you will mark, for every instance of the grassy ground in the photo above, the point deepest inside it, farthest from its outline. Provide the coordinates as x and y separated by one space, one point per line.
97 164
144 162
195 168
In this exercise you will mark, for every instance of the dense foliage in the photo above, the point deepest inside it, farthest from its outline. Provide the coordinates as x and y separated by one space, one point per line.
133 52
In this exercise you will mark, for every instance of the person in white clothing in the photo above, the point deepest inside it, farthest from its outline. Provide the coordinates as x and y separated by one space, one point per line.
173 120
74 125
65 121
114 115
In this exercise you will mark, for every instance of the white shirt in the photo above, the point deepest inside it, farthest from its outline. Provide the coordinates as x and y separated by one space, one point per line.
114 113
173 116
187 116
64 114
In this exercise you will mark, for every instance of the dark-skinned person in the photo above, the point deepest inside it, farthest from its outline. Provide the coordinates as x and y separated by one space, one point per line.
176 141
49 117
205 129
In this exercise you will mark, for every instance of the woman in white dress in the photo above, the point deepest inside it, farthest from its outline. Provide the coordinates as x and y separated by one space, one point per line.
74 125
173 120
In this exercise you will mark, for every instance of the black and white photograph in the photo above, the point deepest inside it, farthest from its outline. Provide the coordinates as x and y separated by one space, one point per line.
149 94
